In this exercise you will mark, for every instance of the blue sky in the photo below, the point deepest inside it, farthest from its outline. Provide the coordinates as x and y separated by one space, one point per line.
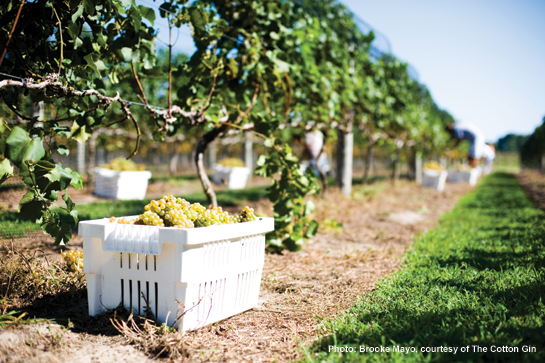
483 61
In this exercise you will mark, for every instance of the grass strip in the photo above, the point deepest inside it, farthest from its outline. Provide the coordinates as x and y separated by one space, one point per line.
472 289
12 226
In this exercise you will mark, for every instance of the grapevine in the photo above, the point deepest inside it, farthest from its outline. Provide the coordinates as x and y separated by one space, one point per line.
272 67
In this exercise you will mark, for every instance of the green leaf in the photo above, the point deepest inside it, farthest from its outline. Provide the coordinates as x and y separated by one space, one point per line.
127 54
198 21
78 13
65 234
309 208
34 150
292 245
27 198
147 13
91 58
21 147
74 214
77 180
78 43
31 211
6 170
100 65
69 203
312 229
62 130
16 142
4 133
62 234
78 132
61 175
280 66
63 150
262 160
53 195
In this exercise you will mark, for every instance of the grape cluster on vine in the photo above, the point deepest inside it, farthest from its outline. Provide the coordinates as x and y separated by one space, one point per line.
170 211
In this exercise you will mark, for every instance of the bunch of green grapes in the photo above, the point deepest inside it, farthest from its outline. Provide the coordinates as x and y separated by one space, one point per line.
214 216
179 213
432 165
232 162
192 211
247 214
73 260
167 211
122 164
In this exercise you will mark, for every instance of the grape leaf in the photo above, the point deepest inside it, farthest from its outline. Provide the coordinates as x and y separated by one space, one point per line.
31 211
27 198
312 229
21 147
6 170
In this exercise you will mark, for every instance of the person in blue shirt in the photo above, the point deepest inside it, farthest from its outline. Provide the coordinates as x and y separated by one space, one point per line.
470 133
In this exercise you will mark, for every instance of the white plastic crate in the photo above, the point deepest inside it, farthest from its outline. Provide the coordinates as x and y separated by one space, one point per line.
434 179
470 176
234 177
123 185
198 275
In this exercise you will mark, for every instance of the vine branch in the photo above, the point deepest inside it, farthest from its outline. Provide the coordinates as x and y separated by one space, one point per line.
139 84
60 35
11 32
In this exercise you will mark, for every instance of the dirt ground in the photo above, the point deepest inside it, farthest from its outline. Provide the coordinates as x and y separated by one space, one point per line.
534 184
360 241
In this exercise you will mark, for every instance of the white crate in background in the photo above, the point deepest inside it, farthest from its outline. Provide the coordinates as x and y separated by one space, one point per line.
123 185
198 275
470 176
434 179
233 177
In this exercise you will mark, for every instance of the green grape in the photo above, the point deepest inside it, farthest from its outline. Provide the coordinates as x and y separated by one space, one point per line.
122 164
73 260
232 162
151 219
247 214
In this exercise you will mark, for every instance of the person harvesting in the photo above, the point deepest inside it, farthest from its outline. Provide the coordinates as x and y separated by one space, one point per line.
472 134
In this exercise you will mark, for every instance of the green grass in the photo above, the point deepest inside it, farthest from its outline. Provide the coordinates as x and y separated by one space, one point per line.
169 178
12 226
507 162
14 186
475 280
